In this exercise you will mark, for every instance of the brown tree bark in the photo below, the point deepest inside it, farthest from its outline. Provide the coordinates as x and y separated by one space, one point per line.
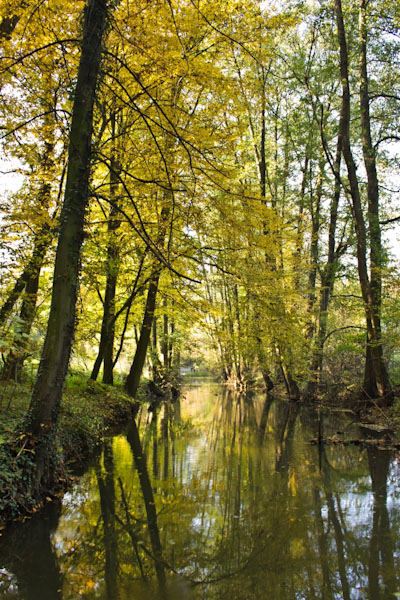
376 381
42 416
133 379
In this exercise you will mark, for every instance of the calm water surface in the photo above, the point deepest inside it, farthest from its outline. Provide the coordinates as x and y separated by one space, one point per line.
218 496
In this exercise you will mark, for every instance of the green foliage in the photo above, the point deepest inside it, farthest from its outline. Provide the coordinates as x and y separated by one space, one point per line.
16 473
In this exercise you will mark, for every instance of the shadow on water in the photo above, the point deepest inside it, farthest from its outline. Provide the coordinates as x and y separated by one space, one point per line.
29 564
218 496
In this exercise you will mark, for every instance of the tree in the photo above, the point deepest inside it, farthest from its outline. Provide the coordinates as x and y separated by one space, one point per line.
376 381
41 420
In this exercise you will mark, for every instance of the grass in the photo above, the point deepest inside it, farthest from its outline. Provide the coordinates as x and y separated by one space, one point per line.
89 410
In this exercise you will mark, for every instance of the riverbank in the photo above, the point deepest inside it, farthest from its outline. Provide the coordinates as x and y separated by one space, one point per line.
89 411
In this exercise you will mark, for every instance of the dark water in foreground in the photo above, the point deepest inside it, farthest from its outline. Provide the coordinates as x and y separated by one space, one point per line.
232 501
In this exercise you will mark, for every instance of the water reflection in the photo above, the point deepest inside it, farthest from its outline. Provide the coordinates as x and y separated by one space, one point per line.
29 563
381 566
220 496
149 503
106 486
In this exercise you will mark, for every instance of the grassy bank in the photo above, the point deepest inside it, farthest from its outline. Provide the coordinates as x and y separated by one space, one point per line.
89 411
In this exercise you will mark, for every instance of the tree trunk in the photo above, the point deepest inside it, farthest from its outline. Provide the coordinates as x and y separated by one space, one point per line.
106 346
30 277
42 241
165 340
133 379
109 305
376 382
171 348
314 249
14 361
327 280
41 419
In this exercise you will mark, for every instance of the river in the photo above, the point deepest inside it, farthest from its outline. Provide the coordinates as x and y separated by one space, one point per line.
218 496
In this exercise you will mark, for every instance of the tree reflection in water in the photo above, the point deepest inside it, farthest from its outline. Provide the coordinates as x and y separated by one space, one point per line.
381 566
28 560
221 496
105 482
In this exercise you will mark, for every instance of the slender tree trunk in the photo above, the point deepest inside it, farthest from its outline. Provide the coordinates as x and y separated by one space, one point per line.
125 307
133 379
171 346
106 346
109 299
14 361
154 357
41 419
30 278
314 250
291 385
300 216
327 280
41 243
376 381
165 339
109 311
